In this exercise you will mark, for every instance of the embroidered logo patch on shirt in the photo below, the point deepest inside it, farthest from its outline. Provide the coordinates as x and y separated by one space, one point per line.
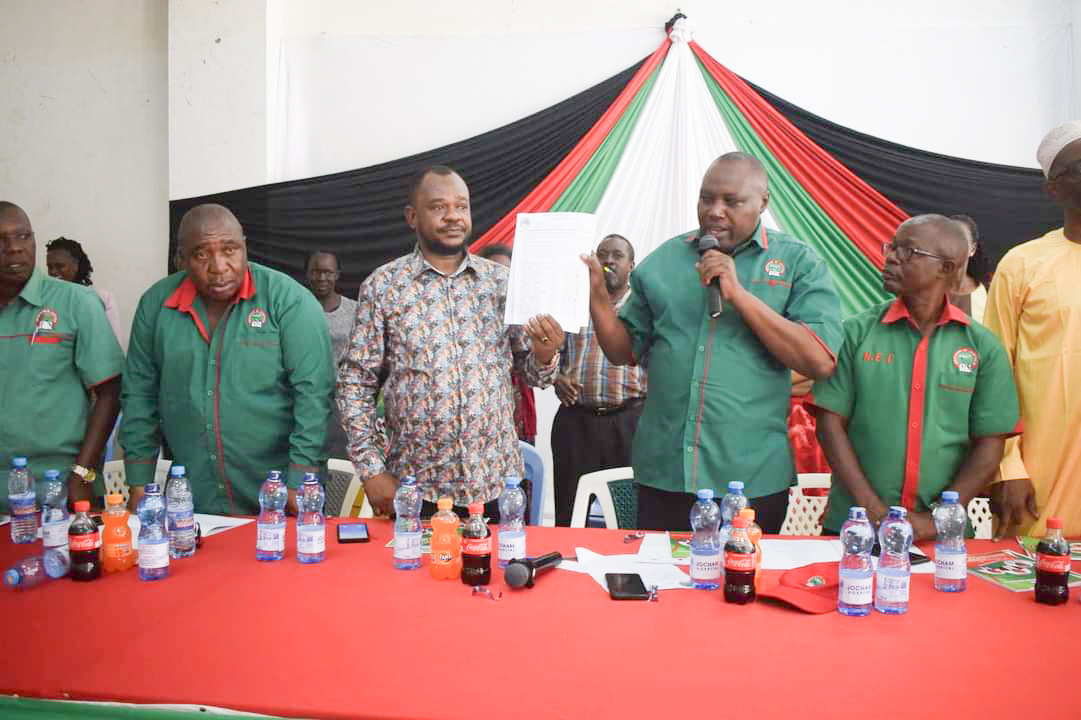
966 360
46 319
775 267
257 318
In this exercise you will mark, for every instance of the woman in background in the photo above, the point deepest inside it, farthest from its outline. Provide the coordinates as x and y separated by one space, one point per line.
66 260
971 295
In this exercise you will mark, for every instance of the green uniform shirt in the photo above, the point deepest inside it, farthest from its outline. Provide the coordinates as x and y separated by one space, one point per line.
55 345
718 400
913 403
252 398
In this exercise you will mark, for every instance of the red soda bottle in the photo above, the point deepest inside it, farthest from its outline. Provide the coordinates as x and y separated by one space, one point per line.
739 561
476 548
1053 566
83 544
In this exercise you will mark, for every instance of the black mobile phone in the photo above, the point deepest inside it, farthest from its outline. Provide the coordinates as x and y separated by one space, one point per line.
353 532
626 586
913 558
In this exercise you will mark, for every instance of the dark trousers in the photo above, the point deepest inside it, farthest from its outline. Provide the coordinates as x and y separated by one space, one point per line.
491 511
584 441
663 510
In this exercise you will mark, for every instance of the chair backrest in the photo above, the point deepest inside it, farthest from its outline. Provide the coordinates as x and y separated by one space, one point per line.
113 477
161 472
354 502
979 516
804 515
534 475
607 486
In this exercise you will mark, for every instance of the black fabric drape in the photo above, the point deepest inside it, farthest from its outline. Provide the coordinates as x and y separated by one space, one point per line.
358 214
1008 203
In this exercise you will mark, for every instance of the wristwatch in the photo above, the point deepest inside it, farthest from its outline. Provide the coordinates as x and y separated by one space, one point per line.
87 475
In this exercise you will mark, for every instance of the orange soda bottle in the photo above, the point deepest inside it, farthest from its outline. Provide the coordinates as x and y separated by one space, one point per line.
116 535
446 557
754 534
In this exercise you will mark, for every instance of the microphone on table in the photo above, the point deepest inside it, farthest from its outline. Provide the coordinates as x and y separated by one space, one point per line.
713 290
521 573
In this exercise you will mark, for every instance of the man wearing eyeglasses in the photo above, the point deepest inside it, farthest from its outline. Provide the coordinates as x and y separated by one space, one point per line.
923 398
55 346
1034 306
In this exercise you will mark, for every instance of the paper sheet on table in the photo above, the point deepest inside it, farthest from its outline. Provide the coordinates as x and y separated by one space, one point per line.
4 520
547 275
208 525
657 548
791 553
665 577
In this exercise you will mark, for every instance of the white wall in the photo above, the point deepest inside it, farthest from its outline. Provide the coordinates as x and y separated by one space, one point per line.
84 125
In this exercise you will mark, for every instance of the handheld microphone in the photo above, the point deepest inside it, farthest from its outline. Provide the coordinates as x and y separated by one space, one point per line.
521 573
713 290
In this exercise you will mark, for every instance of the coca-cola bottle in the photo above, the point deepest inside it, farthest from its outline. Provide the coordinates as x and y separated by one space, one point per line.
739 561
1053 566
476 548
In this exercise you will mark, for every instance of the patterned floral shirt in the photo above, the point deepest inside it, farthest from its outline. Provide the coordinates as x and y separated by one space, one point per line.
438 347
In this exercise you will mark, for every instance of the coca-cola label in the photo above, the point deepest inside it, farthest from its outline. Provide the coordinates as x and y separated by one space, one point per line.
1053 563
82 543
705 567
951 566
270 538
311 541
511 546
856 591
892 589
153 554
23 503
55 534
477 546
407 545
739 562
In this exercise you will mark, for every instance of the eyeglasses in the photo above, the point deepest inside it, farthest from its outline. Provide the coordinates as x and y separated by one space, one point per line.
905 253
1072 170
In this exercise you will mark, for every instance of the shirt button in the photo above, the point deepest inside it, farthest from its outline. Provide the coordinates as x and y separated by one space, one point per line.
209 427
701 348
915 425
690 448
916 386
213 456
210 393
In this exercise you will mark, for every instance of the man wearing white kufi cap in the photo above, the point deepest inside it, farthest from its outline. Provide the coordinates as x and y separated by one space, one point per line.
1034 306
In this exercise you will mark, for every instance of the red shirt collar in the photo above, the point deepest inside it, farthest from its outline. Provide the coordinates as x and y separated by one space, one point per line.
184 295
899 311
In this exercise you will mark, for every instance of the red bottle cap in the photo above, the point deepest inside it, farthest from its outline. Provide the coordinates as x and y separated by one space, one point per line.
740 521
1054 523
84 506
476 508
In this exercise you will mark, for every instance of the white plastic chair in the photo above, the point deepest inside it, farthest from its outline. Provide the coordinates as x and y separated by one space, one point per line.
979 515
596 483
805 511
115 478
354 489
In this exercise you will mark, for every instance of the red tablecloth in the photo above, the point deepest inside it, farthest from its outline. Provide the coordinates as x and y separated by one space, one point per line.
352 637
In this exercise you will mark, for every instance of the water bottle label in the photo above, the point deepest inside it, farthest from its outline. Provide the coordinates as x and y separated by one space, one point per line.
856 591
270 538
705 567
82 543
23 504
407 545
477 546
951 566
892 589
181 520
55 534
1053 563
739 562
511 546
153 554
311 540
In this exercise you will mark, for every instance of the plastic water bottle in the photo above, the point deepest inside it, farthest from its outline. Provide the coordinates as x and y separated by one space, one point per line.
311 522
732 502
706 542
180 513
407 525
855 594
53 492
511 521
33 571
894 567
22 502
153 537
270 527
951 559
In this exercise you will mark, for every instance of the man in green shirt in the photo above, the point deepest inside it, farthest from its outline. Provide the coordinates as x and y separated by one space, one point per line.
719 386
231 361
56 346
923 398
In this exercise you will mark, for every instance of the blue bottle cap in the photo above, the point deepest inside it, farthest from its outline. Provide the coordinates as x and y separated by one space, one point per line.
705 494
857 513
52 474
735 485
12 577
311 478
18 462
152 489
950 496
409 480
512 481
896 511
274 475
177 471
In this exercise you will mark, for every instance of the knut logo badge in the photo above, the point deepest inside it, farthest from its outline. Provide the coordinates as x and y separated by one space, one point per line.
966 360
257 318
46 319
775 267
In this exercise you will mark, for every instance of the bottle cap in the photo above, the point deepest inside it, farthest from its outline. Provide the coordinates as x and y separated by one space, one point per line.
12 577
735 485
177 471
512 481
52 474
897 511
311 478
445 503
1054 523
409 480
82 506
152 489
705 494
857 513
274 475
19 462
740 521
114 499
950 496
747 513
476 508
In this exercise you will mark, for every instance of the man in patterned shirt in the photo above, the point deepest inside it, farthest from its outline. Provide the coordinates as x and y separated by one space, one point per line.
429 331
601 402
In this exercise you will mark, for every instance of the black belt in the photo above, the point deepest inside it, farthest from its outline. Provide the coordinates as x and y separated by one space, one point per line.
611 409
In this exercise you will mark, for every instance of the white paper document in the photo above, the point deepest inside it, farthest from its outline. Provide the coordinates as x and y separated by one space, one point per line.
664 577
208 525
4 520
547 275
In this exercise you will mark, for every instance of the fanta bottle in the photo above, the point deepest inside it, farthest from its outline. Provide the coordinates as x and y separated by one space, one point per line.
116 535
446 562
754 534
